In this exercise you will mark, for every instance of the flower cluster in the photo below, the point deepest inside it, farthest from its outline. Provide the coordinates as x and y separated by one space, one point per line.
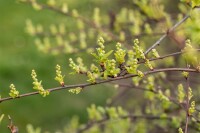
59 77
192 108
132 66
91 77
191 55
79 67
76 90
37 85
120 54
13 92
101 56
140 73
139 54
110 69
181 93
155 53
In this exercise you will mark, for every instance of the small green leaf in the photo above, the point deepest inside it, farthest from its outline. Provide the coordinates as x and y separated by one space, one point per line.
195 3
107 54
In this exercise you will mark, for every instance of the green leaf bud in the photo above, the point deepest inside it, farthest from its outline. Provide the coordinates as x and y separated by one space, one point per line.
192 108
59 76
180 130
37 85
75 13
91 77
181 93
13 92
140 73
155 53
51 2
65 8
76 90
120 54
96 17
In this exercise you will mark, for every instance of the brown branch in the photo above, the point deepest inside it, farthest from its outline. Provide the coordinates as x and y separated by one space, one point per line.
165 56
12 127
101 82
166 34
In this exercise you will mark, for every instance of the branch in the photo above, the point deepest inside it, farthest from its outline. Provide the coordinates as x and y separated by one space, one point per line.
101 82
166 34
165 56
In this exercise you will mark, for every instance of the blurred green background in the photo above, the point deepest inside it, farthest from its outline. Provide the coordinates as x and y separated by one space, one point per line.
18 56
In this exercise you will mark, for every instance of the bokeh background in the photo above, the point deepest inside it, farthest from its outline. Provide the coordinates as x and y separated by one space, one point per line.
19 55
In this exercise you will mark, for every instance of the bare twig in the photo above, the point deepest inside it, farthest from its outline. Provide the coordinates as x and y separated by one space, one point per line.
11 126
166 34
166 56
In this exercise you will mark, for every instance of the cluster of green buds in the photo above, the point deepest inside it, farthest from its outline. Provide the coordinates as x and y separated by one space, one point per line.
65 8
96 17
192 108
190 95
76 90
161 96
133 65
78 68
150 82
75 13
91 77
30 28
139 53
59 77
191 55
181 93
140 73
185 74
148 64
51 3
101 56
155 53
194 3
180 130
94 69
110 69
95 113
37 85
13 92
35 4
120 54
93 74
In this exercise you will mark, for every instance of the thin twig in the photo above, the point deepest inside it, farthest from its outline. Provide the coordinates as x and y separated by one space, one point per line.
166 34
101 82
